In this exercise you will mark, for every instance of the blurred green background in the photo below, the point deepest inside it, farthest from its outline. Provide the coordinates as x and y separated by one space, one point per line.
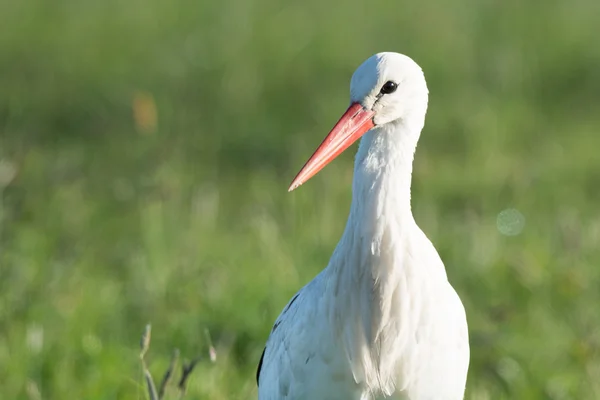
146 148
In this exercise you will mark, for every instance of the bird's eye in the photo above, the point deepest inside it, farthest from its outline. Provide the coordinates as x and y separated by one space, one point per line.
389 87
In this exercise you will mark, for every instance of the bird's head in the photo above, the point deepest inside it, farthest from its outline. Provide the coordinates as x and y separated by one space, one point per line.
385 89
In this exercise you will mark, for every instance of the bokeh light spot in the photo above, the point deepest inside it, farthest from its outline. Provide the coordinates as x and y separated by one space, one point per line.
510 222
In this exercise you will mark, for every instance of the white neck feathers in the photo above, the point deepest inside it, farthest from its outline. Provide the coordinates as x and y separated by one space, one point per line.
368 270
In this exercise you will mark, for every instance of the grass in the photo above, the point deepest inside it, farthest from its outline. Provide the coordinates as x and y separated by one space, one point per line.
146 148
162 391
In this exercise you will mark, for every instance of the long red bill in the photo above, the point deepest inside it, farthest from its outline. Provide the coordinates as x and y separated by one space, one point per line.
355 122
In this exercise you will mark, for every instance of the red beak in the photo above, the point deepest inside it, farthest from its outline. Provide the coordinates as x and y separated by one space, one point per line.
355 122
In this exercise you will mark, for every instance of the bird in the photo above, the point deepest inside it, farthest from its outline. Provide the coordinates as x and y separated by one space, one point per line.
381 320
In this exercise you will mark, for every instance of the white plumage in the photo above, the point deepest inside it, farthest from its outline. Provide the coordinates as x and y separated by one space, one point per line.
381 321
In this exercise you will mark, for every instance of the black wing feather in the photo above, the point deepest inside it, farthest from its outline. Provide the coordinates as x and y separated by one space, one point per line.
260 367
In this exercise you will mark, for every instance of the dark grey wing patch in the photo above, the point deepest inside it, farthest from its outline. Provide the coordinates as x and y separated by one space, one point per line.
262 357
275 326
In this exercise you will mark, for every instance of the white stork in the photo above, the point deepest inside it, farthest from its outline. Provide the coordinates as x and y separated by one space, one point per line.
381 321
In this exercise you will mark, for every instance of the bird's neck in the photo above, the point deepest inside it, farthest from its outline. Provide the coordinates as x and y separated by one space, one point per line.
380 221
382 176
370 266
369 259
380 215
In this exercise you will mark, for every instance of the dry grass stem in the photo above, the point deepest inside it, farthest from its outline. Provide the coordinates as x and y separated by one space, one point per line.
168 374
186 370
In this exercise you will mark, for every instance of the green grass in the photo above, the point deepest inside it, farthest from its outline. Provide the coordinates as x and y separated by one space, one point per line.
107 225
